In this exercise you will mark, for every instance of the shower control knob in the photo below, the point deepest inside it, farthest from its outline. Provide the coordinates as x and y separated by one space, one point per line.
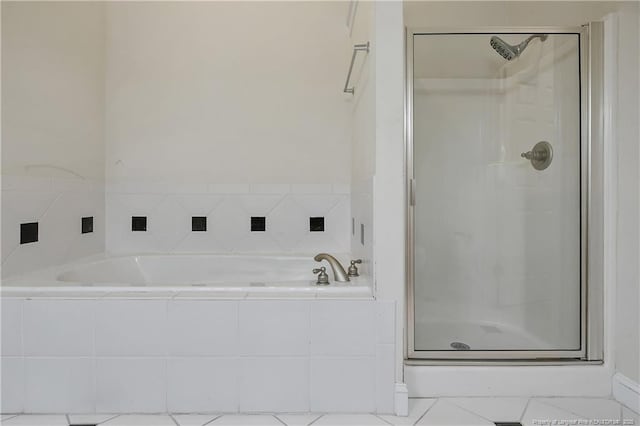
323 277
540 155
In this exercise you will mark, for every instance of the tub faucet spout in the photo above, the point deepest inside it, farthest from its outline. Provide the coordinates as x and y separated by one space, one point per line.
339 273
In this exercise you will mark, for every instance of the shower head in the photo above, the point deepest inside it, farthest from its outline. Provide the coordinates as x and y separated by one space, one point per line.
510 52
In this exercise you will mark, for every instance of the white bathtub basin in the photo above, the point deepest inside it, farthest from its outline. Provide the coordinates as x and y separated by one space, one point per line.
198 275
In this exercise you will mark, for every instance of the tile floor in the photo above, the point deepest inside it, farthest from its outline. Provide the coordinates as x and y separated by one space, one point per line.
441 412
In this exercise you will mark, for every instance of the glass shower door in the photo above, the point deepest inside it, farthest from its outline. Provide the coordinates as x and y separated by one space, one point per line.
497 214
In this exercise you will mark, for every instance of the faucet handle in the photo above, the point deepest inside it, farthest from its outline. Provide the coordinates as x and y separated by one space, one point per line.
323 278
353 269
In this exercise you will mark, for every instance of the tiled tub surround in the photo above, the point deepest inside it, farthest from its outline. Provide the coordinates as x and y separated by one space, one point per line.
58 206
231 212
87 354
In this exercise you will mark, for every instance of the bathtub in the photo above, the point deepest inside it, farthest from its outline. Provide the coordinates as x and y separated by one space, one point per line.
159 333
176 275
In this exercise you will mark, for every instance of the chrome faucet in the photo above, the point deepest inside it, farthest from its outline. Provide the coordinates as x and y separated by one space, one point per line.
339 273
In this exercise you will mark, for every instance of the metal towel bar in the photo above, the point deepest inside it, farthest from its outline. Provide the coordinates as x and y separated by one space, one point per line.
356 48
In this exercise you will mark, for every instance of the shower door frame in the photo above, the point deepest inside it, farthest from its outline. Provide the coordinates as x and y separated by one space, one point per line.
591 203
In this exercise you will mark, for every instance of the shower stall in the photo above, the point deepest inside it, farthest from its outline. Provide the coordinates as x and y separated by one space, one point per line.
504 194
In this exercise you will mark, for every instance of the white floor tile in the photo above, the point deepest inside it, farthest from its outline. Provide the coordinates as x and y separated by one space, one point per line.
246 420
90 419
193 419
349 420
444 413
417 408
538 412
37 420
630 416
588 408
493 409
141 420
297 419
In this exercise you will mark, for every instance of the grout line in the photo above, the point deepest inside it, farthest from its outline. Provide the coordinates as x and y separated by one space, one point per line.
94 309
174 420
582 416
526 407
451 401
213 419
425 413
310 306
166 340
236 356
621 414
109 419
278 419
389 423
68 419
319 417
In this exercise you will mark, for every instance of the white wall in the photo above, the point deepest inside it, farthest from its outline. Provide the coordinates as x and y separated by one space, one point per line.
505 13
378 157
52 131
227 110
627 134
388 193
227 92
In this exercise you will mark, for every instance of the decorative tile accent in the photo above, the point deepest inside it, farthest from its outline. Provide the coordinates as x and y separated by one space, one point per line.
28 232
258 224
198 223
316 224
87 225
139 223
55 204
228 208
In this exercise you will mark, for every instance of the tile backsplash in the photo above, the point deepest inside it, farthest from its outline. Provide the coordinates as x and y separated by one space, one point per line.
228 218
